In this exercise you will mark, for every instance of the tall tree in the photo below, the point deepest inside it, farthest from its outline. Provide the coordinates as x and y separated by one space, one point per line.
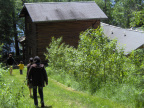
10 23
15 33
6 25
122 11
137 19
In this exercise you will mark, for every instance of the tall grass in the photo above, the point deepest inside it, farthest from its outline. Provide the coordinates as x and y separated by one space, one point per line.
99 67
12 94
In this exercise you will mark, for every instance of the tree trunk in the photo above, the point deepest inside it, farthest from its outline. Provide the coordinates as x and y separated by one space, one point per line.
105 7
15 34
16 40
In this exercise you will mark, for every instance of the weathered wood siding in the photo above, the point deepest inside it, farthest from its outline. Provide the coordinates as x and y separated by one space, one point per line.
31 44
69 30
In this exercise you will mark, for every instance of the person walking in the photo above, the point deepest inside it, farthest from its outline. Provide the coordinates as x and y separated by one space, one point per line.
21 67
39 78
10 61
29 83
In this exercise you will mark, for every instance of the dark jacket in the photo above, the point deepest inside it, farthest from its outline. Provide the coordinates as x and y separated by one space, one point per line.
10 61
28 67
38 75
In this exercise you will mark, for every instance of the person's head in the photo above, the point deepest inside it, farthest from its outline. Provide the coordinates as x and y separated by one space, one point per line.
21 62
31 60
10 55
37 60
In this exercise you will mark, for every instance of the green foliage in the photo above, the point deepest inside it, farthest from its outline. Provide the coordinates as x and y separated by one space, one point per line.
138 18
12 91
123 13
1 49
5 22
118 14
91 63
97 66
9 23
16 95
100 3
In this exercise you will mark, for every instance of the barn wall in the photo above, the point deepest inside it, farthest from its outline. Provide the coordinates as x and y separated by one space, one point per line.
30 32
69 30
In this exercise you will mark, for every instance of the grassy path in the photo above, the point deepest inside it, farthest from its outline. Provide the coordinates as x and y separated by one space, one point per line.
57 95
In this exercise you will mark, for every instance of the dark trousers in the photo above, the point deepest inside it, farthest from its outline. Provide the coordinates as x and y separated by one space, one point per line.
40 90
21 72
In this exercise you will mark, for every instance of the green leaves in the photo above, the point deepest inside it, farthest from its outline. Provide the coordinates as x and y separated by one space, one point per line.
1 49
123 13
137 18
97 65
95 59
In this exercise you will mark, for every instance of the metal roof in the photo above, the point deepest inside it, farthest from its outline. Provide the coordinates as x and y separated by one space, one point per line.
126 38
61 11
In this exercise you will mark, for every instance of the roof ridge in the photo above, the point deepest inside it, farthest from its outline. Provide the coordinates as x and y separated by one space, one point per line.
123 28
61 2
63 11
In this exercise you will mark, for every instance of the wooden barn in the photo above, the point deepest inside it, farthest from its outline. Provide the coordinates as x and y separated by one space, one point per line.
57 19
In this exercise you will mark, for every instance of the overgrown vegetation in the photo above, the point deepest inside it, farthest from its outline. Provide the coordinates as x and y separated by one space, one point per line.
9 98
12 92
15 94
99 67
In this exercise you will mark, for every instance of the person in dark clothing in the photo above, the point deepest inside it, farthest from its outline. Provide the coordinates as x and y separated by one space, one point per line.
10 61
29 83
39 78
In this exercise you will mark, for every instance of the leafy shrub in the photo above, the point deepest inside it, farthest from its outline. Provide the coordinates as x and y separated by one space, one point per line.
96 65
95 61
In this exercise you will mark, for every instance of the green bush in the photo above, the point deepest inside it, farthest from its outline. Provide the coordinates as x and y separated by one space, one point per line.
97 66
95 61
